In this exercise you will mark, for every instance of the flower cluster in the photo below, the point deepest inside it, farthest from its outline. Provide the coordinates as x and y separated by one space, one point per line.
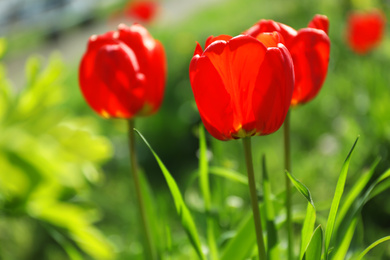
244 85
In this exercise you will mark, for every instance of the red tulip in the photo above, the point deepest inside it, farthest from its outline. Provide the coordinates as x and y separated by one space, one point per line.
242 85
122 74
141 10
365 30
309 48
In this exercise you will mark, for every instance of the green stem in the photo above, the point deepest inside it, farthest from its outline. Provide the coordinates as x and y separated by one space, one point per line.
255 203
134 170
287 166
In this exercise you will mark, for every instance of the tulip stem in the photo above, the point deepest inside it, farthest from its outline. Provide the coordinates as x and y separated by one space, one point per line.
287 166
254 201
134 170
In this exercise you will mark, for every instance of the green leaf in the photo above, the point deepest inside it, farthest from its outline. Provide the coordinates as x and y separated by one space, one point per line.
336 200
229 174
310 218
181 208
69 248
205 189
33 67
203 168
301 188
307 228
314 249
272 234
152 218
343 246
380 185
243 243
379 241
347 227
368 194
354 193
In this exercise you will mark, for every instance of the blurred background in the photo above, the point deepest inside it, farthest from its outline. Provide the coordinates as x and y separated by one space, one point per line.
65 186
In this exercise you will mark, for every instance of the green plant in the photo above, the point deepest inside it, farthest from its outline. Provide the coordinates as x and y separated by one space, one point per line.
48 161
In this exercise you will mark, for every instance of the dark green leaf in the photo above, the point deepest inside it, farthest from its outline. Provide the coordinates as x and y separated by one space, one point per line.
336 200
242 244
314 249
205 189
229 174
343 246
354 193
307 228
181 208
272 234
379 241
301 188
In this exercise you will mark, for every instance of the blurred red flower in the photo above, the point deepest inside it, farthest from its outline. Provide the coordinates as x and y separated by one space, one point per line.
365 30
309 48
122 73
143 11
242 85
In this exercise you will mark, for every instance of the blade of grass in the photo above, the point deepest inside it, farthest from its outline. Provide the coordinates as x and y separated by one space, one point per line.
181 208
272 234
381 185
229 174
348 225
242 244
336 200
307 229
310 218
354 193
314 249
205 189
343 246
154 220
203 169
379 241
301 188
368 194
70 249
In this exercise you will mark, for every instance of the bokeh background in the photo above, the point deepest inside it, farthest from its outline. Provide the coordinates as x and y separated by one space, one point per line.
65 186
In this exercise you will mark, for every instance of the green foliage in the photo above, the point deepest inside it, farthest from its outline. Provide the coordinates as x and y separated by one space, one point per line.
181 208
348 218
48 160
244 240
336 201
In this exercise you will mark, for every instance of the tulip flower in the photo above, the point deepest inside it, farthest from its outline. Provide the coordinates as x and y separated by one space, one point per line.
122 74
242 85
365 30
309 48
141 10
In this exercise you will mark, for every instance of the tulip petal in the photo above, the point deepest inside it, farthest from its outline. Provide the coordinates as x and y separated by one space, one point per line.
152 61
116 90
320 22
262 26
212 39
238 64
212 99
272 95
310 52
270 39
